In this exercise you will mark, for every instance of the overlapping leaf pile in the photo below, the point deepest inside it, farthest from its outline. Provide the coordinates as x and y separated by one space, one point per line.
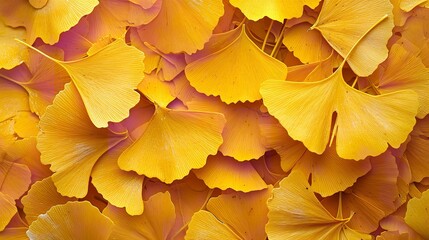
211 119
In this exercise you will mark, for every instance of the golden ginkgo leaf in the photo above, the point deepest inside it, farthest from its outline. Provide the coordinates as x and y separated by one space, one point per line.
100 81
156 90
231 216
185 139
190 23
296 213
235 72
120 188
417 216
40 198
73 220
44 18
225 172
15 178
70 143
13 53
14 99
364 124
277 10
156 222
344 23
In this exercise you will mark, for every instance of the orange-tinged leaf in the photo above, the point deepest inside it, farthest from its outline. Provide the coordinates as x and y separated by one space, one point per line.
404 70
73 220
171 132
13 53
120 188
189 23
43 18
14 99
7 210
365 124
26 124
40 198
235 72
344 23
408 5
417 216
98 76
225 172
15 178
70 143
417 151
236 215
134 13
277 9
373 195
156 221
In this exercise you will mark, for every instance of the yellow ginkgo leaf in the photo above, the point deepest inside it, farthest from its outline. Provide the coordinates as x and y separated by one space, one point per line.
344 23
408 5
417 151
44 18
308 46
73 220
7 210
277 10
417 216
365 124
235 72
134 14
120 188
13 53
156 90
40 198
404 70
190 23
26 124
106 81
156 221
70 143
172 132
225 172
296 213
231 216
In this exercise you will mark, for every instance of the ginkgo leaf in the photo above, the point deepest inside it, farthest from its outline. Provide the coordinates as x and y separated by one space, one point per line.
134 13
26 124
120 188
156 90
417 216
156 221
70 143
365 124
14 99
7 210
40 198
404 70
234 216
330 173
308 46
15 178
296 213
235 72
98 76
13 53
15 230
73 220
344 23
373 195
188 22
225 172
171 132
408 5
277 10
417 151
43 18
